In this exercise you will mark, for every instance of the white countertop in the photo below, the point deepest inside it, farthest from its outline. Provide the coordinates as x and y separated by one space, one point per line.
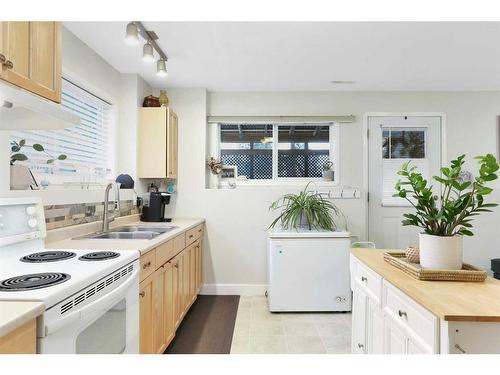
125 244
14 314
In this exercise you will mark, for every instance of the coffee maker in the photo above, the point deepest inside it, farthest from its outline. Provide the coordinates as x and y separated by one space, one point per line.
153 209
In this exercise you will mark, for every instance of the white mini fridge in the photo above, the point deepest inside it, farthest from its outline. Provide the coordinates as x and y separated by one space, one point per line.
308 271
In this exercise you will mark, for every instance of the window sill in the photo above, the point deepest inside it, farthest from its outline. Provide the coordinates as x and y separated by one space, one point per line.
278 183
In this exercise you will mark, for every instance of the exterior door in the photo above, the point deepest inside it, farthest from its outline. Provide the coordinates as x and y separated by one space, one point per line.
393 141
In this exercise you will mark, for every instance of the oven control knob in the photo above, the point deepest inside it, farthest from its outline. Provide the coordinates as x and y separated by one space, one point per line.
32 223
31 210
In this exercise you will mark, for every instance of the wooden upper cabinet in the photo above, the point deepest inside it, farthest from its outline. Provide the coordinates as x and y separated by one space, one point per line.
157 143
32 57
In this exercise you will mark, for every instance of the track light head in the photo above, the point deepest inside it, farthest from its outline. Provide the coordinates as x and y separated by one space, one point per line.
147 53
161 68
132 34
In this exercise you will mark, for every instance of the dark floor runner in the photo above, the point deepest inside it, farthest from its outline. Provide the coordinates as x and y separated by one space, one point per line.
207 328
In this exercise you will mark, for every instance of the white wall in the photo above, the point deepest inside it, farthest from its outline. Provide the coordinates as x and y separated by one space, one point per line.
237 219
86 68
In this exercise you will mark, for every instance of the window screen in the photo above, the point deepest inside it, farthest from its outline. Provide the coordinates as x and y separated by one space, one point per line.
269 151
302 150
87 146
249 147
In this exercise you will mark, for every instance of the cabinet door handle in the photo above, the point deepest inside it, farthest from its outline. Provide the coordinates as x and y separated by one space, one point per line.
176 265
142 294
8 64
146 265
2 58
402 313
364 279
460 349
361 346
191 236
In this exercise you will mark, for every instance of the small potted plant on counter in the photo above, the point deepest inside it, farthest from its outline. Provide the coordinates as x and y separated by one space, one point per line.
20 176
327 170
446 220
306 210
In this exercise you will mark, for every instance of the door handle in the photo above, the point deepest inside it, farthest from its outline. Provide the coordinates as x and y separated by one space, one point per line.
2 58
8 64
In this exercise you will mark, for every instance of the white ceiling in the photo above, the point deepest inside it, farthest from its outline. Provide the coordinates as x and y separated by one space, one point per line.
301 56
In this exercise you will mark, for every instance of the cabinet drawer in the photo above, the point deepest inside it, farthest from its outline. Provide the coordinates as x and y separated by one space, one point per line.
179 243
190 236
164 253
369 281
148 264
421 324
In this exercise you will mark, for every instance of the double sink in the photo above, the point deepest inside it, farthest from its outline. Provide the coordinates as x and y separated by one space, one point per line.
129 233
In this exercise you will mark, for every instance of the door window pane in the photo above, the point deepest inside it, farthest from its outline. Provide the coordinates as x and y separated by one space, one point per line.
403 143
302 150
106 335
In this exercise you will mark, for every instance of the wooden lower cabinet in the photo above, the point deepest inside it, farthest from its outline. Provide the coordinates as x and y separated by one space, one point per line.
169 293
166 296
146 316
20 341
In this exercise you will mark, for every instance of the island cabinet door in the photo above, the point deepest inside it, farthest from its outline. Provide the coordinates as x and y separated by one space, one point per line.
358 342
395 339
374 328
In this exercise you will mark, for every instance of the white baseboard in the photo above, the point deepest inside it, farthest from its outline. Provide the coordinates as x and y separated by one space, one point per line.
234 289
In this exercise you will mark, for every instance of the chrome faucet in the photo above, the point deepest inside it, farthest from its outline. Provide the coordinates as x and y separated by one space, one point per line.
106 219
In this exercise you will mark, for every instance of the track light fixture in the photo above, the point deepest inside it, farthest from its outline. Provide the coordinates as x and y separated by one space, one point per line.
147 53
161 68
132 34
136 28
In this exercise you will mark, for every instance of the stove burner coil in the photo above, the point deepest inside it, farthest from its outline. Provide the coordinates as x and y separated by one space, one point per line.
47 256
33 281
99 255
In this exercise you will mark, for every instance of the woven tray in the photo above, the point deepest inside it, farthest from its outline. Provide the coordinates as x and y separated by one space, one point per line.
467 273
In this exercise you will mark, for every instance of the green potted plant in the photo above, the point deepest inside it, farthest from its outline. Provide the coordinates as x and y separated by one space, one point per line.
20 176
327 173
305 210
447 220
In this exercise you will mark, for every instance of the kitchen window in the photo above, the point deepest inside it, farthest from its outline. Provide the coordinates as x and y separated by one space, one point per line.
86 149
278 151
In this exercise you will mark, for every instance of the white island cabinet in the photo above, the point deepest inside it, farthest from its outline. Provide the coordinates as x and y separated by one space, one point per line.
396 314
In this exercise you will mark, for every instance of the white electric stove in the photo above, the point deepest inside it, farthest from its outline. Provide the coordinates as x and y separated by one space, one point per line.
91 296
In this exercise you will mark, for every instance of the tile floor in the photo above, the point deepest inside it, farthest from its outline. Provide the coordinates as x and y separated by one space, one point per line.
259 331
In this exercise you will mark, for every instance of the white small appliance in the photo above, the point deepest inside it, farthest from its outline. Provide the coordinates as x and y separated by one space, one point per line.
308 271
91 296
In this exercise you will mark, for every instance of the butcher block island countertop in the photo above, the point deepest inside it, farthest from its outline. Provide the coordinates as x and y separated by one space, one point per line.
449 300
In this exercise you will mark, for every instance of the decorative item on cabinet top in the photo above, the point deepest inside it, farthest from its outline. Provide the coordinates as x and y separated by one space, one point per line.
163 98
151 101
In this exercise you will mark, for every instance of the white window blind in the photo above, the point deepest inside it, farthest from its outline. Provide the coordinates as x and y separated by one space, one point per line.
89 153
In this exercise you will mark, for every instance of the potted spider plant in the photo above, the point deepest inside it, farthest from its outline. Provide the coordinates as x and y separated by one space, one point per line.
305 210
447 220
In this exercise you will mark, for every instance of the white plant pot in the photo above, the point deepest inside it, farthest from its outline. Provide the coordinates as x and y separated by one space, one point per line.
20 177
441 252
327 175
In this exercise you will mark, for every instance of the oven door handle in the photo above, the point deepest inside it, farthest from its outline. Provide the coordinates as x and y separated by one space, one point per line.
75 315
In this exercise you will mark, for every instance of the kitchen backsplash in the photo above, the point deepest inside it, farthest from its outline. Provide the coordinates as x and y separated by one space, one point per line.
64 215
